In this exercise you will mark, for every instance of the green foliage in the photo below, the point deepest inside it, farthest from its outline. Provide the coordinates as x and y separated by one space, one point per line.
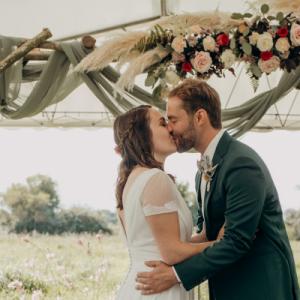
29 283
35 207
158 36
292 220
265 8
190 199
79 220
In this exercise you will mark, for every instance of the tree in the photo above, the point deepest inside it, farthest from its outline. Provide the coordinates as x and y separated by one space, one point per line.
32 206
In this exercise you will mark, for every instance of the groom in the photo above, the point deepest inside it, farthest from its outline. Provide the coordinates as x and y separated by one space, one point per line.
253 260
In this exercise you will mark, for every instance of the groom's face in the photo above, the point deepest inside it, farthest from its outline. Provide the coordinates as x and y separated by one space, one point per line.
180 125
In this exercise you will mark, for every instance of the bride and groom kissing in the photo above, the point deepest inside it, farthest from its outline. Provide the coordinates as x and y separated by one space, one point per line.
241 245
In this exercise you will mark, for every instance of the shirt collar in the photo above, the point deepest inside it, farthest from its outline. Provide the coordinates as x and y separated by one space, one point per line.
212 146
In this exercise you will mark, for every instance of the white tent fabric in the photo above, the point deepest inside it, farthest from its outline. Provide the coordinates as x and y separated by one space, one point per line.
68 20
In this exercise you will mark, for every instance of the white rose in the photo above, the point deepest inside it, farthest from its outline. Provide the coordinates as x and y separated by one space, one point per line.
228 58
265 42
209 44
192 40
295 34
202 62
270 65
178 44
171 77
253 38
282 45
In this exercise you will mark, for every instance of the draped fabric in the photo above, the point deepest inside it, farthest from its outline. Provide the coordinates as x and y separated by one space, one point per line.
56 79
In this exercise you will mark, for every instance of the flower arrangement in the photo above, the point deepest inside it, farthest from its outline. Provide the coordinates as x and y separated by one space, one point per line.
265 43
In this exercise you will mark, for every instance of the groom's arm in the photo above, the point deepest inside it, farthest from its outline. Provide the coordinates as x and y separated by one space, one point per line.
245 195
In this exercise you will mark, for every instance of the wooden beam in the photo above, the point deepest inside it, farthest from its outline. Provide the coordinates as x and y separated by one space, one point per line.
25 48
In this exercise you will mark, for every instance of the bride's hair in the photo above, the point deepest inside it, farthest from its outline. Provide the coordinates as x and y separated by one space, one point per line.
133 138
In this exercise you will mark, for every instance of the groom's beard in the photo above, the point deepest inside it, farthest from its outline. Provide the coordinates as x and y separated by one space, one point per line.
186 141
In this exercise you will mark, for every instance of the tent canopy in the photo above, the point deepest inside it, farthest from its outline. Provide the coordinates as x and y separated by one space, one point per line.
103 19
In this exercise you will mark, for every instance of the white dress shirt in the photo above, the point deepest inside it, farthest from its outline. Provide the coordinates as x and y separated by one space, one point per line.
210 152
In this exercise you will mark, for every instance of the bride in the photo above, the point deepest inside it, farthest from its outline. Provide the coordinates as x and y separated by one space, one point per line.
155 219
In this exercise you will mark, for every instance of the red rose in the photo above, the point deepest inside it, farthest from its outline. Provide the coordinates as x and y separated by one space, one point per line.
222 39
187 67
266 55
282 31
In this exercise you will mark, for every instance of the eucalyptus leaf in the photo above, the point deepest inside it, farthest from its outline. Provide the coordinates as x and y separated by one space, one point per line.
280 16
264 8
247 15
247 48
255 70
157 91
232 43
236 16
150 80
246 32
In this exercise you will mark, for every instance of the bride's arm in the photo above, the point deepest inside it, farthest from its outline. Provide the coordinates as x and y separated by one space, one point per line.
165 228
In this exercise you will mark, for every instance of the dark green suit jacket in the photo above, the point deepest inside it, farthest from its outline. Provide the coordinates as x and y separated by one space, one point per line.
244 264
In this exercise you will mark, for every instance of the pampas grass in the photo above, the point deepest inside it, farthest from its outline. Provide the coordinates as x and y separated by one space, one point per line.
138 66
112 50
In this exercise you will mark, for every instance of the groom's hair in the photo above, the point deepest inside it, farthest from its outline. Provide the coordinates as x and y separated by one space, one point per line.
196 94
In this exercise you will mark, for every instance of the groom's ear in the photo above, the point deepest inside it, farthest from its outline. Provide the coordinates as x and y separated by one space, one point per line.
200 116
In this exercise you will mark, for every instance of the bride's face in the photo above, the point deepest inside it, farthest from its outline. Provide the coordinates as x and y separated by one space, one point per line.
163 143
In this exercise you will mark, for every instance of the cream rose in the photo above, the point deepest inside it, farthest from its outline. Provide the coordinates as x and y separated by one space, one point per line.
268 66
265 42
202 62
171 77
209 44
282 45
228 58
178 44
253 38
295 34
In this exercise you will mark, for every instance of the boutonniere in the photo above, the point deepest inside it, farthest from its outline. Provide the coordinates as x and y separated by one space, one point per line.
207 170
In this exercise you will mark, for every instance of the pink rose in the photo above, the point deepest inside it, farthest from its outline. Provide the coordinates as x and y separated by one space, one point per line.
177 57
202 62
295 34
268 66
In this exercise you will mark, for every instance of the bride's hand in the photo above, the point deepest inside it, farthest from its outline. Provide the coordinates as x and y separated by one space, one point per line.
221 233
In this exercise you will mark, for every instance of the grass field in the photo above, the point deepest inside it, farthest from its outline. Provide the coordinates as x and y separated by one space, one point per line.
69 267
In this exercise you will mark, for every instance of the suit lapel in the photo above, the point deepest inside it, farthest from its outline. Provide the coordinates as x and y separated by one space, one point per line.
218 158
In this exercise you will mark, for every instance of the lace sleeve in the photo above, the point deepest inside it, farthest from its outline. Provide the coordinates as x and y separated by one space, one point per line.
159 195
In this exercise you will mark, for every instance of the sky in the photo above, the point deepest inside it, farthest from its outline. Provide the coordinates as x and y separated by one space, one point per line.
84 165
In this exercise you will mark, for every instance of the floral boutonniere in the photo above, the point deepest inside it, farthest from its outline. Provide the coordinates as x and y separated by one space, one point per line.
207 170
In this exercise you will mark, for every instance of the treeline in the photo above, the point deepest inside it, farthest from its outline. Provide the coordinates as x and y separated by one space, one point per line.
35 206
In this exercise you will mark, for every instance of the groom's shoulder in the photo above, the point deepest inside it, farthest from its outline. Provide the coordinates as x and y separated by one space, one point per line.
238 149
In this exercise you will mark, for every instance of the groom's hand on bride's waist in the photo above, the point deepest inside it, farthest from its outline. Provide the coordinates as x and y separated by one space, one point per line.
161 278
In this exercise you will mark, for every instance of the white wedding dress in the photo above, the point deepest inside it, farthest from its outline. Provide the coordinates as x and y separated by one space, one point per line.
152 192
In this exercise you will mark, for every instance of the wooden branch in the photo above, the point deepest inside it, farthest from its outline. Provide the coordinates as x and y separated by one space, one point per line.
88 42
24 49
